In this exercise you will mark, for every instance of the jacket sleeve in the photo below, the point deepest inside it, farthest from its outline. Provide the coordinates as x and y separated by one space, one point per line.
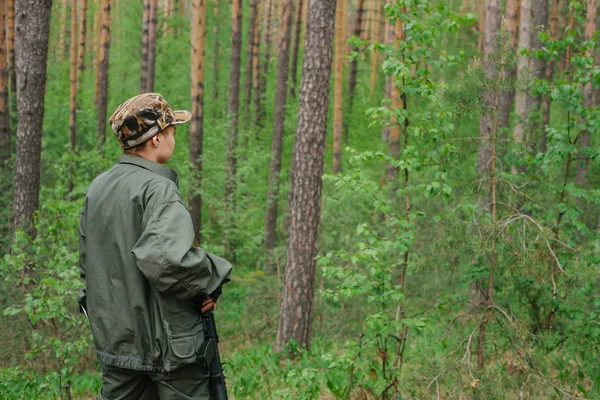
166 255
82 298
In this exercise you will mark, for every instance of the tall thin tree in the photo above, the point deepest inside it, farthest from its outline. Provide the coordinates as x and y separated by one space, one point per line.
152 45
73 85
102 87
511 24
264 68
61 50
294 63
548 74
278 123
376 24
145 39
5 145
31 44
10 36
215 55
521 98
354 63
306 179
82 40
233 109
252 27
540 24
397 102
198 33
338 89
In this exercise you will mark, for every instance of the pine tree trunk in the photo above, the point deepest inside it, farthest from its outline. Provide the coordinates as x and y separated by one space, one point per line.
198 33
294 65
376 12
307 163
283 63
62 23
10 33
103 51
354 64
486 135
588 92
256 57
264 69
252 27
73 86
152 46
390 34
338 92
216 50
540 22
5 146
32 28
82 39
521 98
168 14
145 40
548 74
512 29
233 109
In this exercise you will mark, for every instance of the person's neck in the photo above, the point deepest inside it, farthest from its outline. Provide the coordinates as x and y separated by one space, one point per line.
146 155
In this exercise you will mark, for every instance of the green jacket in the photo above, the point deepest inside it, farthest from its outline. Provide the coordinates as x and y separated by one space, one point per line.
145 277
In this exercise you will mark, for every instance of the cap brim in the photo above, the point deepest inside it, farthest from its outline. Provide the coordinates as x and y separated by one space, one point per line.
181 117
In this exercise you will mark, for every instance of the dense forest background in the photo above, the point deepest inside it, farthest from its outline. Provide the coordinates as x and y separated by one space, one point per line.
455 230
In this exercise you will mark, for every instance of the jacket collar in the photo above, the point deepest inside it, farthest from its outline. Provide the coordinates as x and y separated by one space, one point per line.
150 165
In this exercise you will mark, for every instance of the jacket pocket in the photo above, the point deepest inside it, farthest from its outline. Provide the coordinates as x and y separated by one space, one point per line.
183 349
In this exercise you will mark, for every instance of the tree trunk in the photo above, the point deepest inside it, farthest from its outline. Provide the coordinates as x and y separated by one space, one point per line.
588 93
215 93
256 56
511 15
283 63
485 159
103 51
198 33
169 5
151 46
32 28
354 64
233 108
5 146
10 33
338 92
82 38
62 23
390 35
252 27
73 88
548 73
307 163
294 71
376 23
145 40
540 22
521 98
481 25
262 83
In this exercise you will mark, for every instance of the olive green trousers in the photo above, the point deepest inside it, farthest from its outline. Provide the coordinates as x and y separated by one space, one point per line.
187 383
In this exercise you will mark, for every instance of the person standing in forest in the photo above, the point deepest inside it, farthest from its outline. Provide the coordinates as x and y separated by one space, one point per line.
146 279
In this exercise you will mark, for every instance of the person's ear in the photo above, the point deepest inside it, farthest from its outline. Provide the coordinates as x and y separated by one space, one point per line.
156 140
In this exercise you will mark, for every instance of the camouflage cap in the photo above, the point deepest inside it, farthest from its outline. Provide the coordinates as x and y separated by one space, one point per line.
143 116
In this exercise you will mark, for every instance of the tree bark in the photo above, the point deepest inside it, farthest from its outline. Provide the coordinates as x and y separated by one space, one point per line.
5 145
103 52
338 91
307 163
233 109
264 69
198 33
354 64
169 7
10 33
62 23
283 63
376 23
216 50
485 159
152 46
540 23
256 57
588 93
82 38
145 40
548 74
521 98
32 27
252 27
73 87
294 66
511 15
390 35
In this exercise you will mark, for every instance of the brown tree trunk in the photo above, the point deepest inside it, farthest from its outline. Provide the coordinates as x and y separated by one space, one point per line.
511 15
354 64
548 73
73 88
103 51
256 56
307 163
198 33
152 46
145 40
521 98
216 50
82 38
485 159
169 6
376 23
588 93
252 27
481 25
390 35
540 22
62 23
294 65
283 63
264 69
5 146
32 28
338 92
233 109
10 34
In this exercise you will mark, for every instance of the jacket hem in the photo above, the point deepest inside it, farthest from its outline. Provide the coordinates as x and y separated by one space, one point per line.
128 362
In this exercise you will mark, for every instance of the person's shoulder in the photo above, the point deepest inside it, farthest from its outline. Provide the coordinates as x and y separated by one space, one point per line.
160 190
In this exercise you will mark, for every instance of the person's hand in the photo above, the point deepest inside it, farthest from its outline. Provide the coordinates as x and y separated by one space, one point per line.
208 304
